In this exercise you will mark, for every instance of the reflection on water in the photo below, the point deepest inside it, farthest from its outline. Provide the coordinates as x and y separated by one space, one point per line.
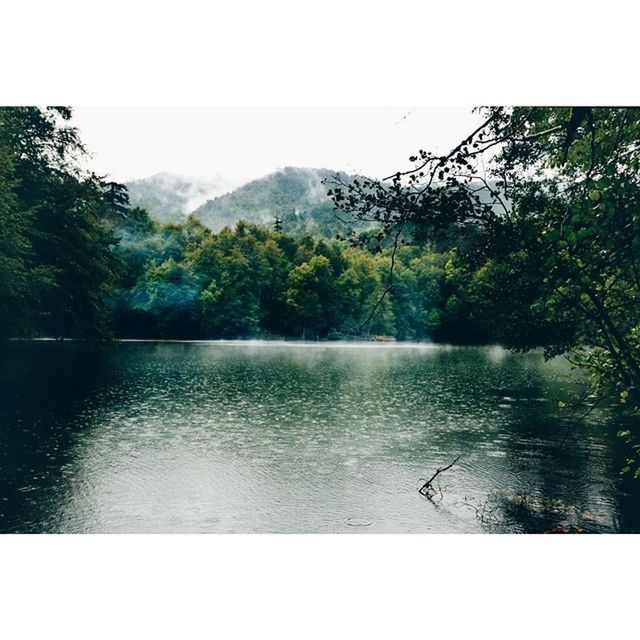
241 437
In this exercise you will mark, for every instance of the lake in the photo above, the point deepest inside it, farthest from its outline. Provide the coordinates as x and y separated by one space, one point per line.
275 437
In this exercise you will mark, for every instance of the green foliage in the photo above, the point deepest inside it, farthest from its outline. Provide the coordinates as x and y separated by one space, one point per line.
312 296
183 281
56 264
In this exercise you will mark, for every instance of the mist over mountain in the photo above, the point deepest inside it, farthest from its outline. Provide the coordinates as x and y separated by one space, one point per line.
296 196
169 197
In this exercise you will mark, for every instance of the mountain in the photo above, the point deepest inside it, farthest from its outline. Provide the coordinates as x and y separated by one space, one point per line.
294 195
169 197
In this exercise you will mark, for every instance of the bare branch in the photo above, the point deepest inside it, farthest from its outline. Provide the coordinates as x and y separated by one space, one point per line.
427 489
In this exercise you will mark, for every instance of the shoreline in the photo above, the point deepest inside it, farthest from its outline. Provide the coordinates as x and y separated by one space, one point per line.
261 342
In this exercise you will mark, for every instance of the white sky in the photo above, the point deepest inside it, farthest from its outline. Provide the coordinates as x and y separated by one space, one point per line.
244 143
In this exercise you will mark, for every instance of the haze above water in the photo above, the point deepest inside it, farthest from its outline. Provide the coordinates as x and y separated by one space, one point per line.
314 438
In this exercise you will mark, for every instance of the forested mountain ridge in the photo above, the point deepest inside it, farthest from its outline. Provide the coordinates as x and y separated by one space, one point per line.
295 196
169 197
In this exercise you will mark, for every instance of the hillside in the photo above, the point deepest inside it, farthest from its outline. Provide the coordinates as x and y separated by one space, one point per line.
294 195
169 197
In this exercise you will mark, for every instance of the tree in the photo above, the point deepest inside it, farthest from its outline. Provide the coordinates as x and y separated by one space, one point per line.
311 297
170 295
360 286
15 252
551 197
239 269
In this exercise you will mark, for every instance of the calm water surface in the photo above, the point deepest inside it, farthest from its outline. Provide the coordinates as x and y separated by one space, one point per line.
272 437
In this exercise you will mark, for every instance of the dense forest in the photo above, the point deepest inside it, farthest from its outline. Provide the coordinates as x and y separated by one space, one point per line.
57 266
183 281
78 261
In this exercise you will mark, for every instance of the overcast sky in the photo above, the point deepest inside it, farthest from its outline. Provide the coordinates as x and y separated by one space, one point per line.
245 143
